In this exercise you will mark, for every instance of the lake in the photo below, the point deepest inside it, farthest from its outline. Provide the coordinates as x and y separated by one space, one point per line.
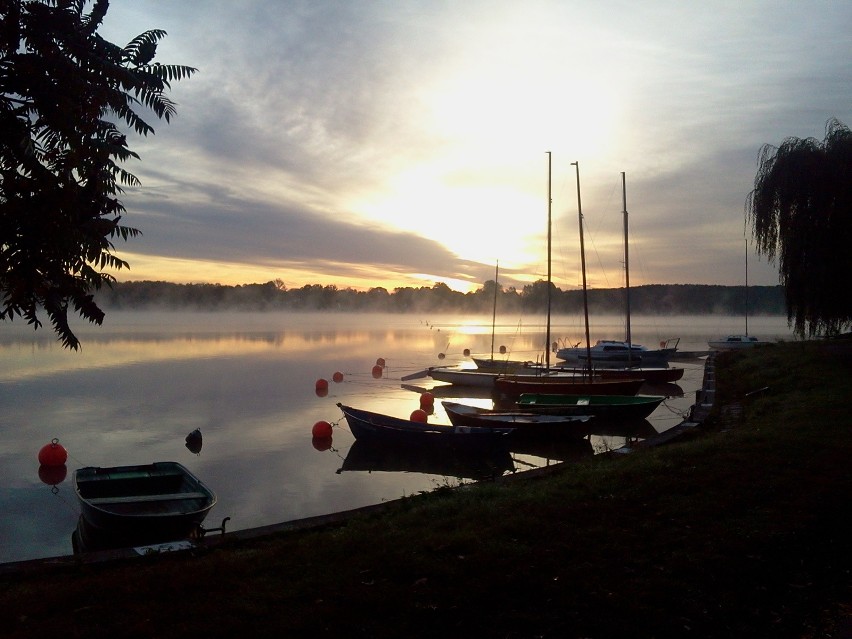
145 380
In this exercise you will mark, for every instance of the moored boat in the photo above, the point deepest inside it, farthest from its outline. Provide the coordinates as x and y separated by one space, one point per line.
609 407
736 342
163 499
377 427
618 353
515 386
524 423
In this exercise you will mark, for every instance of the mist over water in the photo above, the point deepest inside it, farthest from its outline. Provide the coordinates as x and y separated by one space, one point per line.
145 380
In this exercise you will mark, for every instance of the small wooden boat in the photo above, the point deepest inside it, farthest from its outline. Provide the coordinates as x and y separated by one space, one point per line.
163 499
608 407
377 427
515 386
524 423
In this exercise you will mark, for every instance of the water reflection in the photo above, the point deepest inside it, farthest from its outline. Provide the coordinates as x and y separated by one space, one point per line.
247 382
461 464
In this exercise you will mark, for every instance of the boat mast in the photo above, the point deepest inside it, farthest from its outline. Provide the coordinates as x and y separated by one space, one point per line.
746 287
626 267
494 311
549 206
583 266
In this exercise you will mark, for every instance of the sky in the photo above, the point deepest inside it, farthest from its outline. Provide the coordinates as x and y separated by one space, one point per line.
403 143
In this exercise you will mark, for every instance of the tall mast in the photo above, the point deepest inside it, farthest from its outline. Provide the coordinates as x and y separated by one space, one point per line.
494 312
549 206
746 286
626 267
583 265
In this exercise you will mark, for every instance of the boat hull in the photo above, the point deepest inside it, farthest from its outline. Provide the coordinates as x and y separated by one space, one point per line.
376 427
607 407
525 424
161 500
516 386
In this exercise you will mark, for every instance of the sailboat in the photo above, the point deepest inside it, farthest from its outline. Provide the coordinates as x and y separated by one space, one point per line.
555 382
621 353
732 342
491 365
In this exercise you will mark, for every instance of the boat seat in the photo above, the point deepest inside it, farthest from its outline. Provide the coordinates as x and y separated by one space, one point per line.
139 498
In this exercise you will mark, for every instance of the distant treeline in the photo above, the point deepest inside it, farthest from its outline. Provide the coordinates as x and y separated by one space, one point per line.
652 299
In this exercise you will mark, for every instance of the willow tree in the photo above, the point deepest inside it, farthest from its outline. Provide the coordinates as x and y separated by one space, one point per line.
801 215
64 93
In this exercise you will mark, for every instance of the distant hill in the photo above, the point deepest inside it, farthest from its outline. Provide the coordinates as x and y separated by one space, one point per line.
652 299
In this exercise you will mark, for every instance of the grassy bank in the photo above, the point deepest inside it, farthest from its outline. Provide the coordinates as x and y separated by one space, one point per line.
740 529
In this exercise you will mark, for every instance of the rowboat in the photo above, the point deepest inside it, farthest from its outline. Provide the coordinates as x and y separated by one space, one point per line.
524 423
608 407
369 426
515 386
162 500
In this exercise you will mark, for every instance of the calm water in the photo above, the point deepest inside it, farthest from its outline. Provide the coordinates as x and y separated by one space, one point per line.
144 381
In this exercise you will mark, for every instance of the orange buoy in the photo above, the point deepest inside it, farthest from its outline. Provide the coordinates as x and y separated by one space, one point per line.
321 429
466 352
380 362
52 454
427 400
377 371
419 415
322 383
337 377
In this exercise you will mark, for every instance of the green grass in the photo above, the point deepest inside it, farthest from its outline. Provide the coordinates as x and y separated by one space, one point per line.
735 530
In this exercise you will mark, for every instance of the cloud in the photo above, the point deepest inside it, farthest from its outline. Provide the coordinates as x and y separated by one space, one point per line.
396 139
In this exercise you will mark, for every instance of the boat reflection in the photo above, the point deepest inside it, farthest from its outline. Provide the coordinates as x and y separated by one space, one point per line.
382 457
634 429
564 449
669 389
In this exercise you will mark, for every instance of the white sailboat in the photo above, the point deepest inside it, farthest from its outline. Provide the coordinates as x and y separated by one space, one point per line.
620 353
736 342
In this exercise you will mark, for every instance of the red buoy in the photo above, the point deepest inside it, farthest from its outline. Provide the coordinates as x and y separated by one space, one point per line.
337 377
321 429
419 415
427 400
502 350
377 371
441 356
322 383
380 362
52 454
